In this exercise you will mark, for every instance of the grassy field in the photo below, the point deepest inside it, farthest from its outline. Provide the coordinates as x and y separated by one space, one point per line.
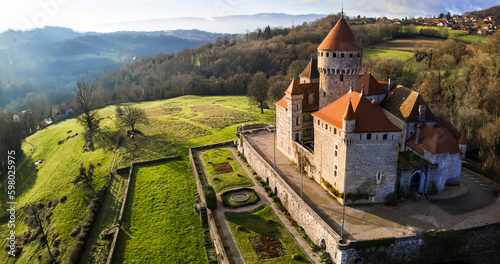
161 225
407 44
52 179
221 182
456 34
247 225
386 53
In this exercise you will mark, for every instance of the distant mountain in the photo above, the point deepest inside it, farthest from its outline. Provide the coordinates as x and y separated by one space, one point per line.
50 59
226 24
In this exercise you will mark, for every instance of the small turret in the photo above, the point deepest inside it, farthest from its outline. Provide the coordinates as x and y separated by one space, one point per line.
462 145
349 121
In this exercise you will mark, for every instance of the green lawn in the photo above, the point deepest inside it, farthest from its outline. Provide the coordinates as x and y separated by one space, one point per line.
247 225
385 53
221 182
253 197
163 137
161 225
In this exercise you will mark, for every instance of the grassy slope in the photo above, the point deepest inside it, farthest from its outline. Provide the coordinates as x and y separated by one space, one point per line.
254 223
385 53
53 179
161 225
237 178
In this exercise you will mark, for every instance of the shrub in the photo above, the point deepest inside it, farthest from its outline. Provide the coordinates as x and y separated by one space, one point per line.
63 199
276 199
210 196
331 189
258 178
239 228
75 252
295 257
270 221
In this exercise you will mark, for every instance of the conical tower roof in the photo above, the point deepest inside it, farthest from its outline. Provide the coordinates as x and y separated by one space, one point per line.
341 38
349 112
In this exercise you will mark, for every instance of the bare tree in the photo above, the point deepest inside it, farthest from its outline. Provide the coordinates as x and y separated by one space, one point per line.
131 116
86 176
86 105
257 90
36 217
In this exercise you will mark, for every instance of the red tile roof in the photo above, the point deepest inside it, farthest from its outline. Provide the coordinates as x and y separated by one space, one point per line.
369 117
463 139
294 88
434 139
370 84
349 112
341 38
305 89
282 103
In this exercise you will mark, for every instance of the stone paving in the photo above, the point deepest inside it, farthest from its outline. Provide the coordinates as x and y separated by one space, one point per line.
364 222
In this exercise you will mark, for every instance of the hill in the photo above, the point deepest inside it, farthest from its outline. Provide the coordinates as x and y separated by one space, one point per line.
45 63
174 125
492 11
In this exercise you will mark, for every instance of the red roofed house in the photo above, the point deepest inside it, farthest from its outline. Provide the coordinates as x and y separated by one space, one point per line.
362 136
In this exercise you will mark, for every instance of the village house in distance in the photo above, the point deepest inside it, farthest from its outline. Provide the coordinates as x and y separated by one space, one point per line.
365 137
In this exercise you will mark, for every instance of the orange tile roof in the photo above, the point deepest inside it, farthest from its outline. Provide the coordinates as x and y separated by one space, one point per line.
463 139
370 84
282 102
341 38
369 117
296 88
349 112
434 139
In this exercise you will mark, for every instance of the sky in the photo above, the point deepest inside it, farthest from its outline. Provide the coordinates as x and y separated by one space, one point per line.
82 15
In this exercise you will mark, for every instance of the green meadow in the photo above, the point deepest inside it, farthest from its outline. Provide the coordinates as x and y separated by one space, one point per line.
175 124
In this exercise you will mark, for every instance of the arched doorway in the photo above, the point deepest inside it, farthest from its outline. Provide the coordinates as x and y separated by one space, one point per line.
417 182
358 261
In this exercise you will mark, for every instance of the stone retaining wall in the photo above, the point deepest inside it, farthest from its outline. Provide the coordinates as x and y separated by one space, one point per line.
214 233
315 227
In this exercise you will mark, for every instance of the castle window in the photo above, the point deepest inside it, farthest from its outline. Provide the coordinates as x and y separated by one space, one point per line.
384 137
334 55
368 136
335 131
297 107
327 54
359 54
335 170
321 54
297 137
324 94
336 150
306 118
308 132
318 122
310 98
342 55
341 77
350 55
326 126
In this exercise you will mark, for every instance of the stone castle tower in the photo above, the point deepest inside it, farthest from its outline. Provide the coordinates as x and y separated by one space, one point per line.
339 63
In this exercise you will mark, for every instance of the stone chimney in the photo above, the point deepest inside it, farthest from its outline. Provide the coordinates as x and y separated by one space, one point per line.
422 109
391 84
417 134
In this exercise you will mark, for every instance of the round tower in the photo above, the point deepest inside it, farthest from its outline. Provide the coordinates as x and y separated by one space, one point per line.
339 62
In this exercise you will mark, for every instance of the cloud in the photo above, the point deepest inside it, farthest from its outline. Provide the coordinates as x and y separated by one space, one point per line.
304 2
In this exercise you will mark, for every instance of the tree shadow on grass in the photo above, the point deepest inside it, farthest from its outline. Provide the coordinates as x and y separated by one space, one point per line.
125 233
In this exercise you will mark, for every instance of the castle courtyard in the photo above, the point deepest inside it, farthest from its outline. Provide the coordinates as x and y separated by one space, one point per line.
474 207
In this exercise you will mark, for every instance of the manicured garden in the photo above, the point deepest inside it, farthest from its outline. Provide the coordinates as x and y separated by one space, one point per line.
249 197
223 170
262 239
160 223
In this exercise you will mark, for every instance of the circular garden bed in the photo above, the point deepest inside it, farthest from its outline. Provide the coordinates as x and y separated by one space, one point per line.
234 198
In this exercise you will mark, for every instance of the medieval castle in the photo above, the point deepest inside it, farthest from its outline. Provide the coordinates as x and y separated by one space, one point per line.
361 136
